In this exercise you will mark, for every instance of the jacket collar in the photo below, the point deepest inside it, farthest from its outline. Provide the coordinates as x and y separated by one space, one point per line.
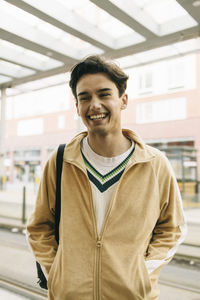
72 153
142 152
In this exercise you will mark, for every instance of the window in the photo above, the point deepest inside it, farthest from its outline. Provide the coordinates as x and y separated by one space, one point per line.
30 127
39 102
26 154
159 111
61 122
162 77
145 82
176 76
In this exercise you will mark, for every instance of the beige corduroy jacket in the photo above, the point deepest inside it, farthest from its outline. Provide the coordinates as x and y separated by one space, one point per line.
142 229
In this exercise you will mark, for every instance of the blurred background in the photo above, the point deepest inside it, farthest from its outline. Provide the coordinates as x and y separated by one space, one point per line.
157 44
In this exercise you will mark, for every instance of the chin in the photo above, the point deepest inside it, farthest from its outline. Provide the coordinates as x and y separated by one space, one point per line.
100 131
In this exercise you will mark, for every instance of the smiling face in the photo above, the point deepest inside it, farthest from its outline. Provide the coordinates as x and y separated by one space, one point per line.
99 104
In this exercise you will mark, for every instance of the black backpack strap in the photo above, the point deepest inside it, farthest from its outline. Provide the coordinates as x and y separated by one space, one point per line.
59 164
41 277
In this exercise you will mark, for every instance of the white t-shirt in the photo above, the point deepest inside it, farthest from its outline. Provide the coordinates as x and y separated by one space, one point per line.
104 174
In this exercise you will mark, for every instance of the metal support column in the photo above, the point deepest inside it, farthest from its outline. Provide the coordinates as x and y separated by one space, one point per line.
183 174
2 134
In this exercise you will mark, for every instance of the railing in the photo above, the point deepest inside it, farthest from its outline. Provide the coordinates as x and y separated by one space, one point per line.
17 201
190 192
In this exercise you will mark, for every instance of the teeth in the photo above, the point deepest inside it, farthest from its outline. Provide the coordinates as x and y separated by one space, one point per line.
97 117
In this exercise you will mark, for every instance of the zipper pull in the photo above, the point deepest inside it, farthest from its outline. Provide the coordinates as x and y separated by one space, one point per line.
98 244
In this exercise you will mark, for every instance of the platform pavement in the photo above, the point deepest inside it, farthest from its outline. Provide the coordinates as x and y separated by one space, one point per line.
192 215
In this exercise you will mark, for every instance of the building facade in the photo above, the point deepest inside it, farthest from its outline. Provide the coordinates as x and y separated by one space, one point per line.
163 108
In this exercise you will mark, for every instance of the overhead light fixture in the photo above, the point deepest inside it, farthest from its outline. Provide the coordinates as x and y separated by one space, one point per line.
196 3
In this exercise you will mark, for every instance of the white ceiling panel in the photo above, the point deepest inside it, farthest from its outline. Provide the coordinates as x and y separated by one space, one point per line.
26 58
161 17
13 70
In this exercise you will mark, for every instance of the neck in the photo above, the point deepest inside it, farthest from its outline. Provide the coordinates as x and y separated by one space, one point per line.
109 145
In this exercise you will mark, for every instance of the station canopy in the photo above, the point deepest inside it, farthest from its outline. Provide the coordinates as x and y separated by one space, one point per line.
41 39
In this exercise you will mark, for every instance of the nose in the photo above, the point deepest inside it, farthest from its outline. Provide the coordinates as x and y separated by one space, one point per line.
95 103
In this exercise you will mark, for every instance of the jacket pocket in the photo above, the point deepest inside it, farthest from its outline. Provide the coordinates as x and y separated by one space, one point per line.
52 270
145 281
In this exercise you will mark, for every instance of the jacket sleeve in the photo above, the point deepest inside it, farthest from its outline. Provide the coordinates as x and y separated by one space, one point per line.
170 229
41 226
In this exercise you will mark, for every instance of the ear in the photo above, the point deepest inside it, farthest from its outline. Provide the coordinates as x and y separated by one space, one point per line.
124 101
77 108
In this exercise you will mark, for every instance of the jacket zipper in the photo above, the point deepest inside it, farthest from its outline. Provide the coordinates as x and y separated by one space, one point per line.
98 251
98 245
97 238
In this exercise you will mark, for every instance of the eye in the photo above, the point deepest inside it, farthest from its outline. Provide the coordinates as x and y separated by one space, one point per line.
104 95
85 98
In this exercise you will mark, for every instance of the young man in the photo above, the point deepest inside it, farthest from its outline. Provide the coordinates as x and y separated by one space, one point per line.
121 211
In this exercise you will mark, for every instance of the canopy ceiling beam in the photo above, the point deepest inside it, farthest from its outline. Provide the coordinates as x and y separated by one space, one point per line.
28 44
192 10
156 43
39 75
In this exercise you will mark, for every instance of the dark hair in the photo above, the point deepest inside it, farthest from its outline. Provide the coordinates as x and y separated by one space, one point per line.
97 64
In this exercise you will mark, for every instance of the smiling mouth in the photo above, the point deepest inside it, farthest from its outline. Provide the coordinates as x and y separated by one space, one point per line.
98 116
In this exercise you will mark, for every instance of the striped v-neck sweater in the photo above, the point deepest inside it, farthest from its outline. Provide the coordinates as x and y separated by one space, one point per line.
104 174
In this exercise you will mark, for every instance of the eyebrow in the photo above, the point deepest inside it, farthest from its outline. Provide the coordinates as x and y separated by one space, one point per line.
82 93
99 91
104 90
